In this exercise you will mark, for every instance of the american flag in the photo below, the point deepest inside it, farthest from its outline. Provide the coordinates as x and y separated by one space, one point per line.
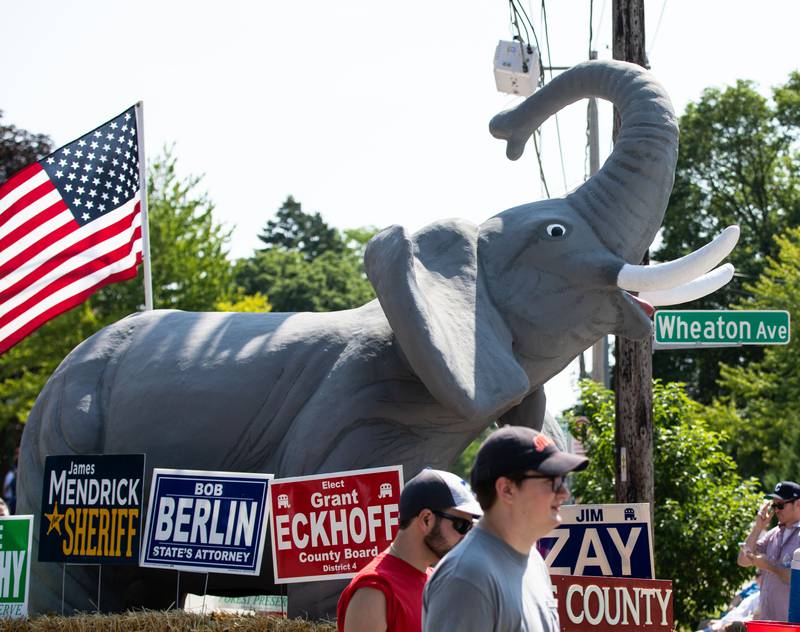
69 224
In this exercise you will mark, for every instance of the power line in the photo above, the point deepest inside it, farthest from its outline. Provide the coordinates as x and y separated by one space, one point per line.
550 64
658 27
539 159
599 24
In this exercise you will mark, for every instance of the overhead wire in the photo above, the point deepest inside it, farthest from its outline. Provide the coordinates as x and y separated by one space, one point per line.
550 64
517 13
599 23
658 27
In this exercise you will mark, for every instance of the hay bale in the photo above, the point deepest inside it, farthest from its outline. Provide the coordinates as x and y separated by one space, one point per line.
157 621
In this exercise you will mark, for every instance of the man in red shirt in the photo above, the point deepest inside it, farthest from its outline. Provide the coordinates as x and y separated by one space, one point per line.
437 510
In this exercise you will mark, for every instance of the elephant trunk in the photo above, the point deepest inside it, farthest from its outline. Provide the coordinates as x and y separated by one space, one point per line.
625 201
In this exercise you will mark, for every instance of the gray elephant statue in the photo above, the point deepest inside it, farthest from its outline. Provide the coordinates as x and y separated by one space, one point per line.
469 323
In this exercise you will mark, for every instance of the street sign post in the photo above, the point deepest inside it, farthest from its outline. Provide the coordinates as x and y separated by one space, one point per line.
721 328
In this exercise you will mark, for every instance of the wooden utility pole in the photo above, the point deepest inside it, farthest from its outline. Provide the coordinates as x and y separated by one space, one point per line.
634 360
600 348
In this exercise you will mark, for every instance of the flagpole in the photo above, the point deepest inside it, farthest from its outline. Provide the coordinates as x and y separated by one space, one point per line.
148 281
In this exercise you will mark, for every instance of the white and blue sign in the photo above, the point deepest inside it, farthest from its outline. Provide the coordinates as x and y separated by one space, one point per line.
206 522
601 541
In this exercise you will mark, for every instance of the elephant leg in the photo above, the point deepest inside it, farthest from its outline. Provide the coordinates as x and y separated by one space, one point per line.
529 412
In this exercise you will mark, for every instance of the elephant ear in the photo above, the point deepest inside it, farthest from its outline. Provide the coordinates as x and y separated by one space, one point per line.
433 293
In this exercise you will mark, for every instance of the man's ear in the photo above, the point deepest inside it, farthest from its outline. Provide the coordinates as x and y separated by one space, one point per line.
426 520
503 487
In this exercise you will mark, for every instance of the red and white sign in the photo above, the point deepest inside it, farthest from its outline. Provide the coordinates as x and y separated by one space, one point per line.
613 603
329 526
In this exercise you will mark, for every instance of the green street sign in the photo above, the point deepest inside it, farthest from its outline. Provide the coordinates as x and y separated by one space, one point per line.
722 327
15 553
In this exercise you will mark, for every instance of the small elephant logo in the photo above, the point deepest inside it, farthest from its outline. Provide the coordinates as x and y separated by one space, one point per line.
630 514
385 490
283 501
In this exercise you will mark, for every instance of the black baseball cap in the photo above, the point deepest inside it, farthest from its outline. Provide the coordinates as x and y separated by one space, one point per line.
513 449
437 490
785 490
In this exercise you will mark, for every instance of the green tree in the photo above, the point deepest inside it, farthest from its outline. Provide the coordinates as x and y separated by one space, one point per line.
760 401
190 271
306 233
702 508
307 265
188 248
19 148
738 164
293 284
245 303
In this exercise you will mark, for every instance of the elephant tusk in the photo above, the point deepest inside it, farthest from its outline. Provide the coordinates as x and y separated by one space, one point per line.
663 276
698 288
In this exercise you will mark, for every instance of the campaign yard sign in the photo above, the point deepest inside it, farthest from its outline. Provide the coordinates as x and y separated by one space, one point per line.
329 526
601 540
91 509
613 604
15 554
206 522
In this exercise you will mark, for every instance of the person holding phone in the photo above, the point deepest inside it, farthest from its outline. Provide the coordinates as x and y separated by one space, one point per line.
771 552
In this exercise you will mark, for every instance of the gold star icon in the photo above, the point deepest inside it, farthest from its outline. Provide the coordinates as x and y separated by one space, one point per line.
55 520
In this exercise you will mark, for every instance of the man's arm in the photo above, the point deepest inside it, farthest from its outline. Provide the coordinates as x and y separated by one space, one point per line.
750 544
366 611
760 561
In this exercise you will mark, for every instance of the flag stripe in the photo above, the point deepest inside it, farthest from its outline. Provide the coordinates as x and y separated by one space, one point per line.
27 206
85 236
38 295
50 209
76 288
20 184
66 304
93 246
62 239
36 241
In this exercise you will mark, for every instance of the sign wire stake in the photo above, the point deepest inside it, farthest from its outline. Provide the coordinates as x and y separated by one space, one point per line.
99 581
178 591
63 582
205 590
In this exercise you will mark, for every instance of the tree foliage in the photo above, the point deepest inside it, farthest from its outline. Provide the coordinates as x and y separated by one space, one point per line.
761 400
188 248
305 233
19 148
738 164
702 508
307 266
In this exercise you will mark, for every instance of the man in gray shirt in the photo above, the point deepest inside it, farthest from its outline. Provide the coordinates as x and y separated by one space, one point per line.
495 580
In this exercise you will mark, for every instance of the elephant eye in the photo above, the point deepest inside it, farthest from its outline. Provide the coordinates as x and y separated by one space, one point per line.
556 230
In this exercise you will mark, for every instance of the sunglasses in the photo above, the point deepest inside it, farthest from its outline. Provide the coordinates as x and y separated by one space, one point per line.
461 525
557 482
781 505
